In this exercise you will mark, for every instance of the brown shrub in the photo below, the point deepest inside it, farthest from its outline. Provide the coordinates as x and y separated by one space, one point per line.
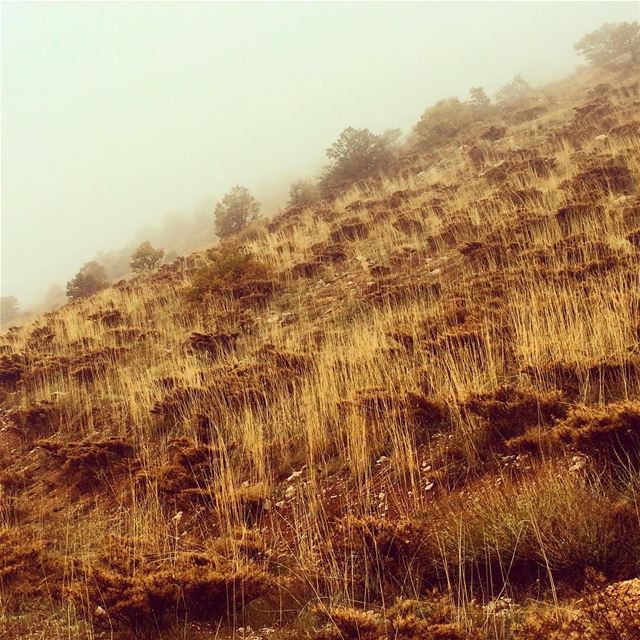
186 478
493 133
605 613
251 502
346 623
404 337
28 568
384 556
539 625
12 367
512 167
329 253
408 225
350 229
518 531
626 130
234 387
405 620
509 411
213 344
476 156
355 207
426 412
38 420
612 613
85 367
393 290
573 213
251 385
470 247
108 317
180 401
397 198
634 238
156 595
285 361
378 405
41 338
530 113
610 179
608 433
88 464
306 269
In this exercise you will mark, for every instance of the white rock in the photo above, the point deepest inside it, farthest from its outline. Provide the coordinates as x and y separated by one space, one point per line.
579 464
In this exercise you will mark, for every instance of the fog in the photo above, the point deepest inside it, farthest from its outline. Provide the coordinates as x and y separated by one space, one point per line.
115 115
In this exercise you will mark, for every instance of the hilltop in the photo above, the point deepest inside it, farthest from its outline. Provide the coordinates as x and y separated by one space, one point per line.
409 412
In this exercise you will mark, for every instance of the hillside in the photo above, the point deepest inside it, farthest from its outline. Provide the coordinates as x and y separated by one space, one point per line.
412 412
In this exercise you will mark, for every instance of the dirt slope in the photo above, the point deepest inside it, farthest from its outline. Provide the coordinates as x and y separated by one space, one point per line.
414 412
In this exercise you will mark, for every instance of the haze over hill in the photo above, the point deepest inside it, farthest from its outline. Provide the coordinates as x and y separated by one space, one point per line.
115 113
406 407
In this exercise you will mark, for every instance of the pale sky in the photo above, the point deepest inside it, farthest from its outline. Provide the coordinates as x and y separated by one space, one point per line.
114 114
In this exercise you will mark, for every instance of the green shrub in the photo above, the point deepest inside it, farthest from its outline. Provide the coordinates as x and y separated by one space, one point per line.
357 154
303 193
515 91
441 123
89 280
232 271
235 211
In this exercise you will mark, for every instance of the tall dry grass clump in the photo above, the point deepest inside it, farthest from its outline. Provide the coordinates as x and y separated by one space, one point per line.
409 412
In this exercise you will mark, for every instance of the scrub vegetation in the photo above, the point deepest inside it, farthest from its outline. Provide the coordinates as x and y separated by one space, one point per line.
404 408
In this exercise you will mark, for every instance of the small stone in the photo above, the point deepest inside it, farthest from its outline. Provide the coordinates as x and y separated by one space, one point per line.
578 464
294 475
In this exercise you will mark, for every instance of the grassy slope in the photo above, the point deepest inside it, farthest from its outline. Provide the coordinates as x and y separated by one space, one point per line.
438 390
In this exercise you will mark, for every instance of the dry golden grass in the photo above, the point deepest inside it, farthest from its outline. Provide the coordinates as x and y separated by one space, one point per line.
429 384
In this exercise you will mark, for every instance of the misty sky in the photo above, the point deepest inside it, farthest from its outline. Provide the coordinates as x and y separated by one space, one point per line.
114 114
